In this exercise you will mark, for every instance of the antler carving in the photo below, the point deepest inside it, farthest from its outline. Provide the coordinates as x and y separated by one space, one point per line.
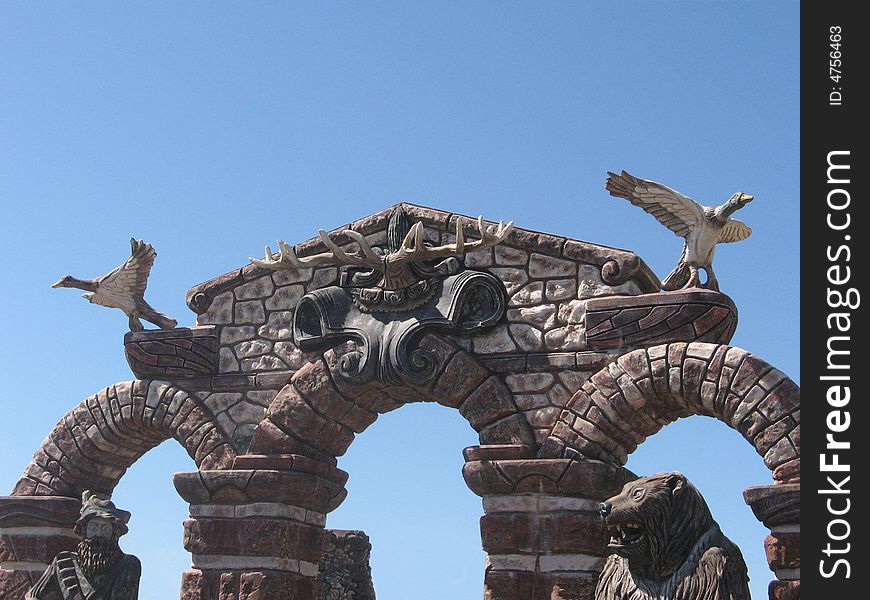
392 265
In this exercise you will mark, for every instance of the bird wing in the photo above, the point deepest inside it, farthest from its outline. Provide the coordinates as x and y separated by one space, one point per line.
132 276
734 231
675 211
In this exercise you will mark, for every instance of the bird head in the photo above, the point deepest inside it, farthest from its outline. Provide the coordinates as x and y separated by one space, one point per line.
89 296
739 200
63 282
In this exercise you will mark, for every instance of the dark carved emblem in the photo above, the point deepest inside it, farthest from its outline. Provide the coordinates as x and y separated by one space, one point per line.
387 297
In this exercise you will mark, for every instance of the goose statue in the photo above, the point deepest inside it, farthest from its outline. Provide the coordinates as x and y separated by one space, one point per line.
124 288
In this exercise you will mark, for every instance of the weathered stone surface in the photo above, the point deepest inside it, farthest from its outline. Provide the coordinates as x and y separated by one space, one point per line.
278 327
561 289
494 340
783 551
542 266
249 311
527 337
262 287
490 402
505 255
512 278
323 277
541 316
263 363
530 382
461 376
233 335
289 276
253 348
531 294
219 312
289 354
569 337
285 298
344 571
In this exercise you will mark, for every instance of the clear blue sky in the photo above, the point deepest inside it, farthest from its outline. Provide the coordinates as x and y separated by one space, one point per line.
211 129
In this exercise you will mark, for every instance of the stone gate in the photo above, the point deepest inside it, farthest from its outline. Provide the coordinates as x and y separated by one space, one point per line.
563 355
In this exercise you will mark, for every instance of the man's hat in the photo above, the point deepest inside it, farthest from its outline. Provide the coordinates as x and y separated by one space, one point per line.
95 504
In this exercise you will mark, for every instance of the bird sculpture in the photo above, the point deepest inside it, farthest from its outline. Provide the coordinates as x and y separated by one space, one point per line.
702 226
124 288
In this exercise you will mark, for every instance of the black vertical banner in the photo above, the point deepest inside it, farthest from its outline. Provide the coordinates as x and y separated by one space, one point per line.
834 264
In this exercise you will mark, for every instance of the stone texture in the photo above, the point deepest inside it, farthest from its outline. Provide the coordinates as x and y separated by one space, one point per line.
569 337
561 289
344 571
526 337
494 340
542 266
529 295
261 287
285 298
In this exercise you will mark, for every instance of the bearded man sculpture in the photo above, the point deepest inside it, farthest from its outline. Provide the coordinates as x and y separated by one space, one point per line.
666 546
98 570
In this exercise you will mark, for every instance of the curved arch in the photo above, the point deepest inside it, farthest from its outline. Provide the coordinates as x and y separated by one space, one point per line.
93 445
636 395
318 413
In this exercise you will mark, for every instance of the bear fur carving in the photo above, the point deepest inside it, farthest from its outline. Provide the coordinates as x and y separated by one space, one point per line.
666 546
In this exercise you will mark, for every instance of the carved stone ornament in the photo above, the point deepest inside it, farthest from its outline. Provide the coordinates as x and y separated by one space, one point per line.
387 299
98 568
702 226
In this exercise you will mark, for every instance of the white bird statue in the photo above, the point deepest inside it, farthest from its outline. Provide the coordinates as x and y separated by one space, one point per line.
124 288
702 226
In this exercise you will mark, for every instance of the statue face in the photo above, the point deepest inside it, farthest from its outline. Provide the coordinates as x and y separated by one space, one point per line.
99 527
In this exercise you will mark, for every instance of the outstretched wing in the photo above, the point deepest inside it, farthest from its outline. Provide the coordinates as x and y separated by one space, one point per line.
132 276
675 211
734 231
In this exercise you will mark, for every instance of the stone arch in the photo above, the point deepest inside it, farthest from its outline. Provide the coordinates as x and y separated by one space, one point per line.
319 412
94 444
641 391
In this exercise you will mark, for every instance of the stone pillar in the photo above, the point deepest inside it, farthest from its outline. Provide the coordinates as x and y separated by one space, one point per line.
33 529
256 531
778 507
541 529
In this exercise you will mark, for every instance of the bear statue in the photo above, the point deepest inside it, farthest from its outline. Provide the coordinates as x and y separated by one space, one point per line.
666 546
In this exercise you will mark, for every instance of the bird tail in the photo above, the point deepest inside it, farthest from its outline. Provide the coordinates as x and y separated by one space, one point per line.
158 318
677 278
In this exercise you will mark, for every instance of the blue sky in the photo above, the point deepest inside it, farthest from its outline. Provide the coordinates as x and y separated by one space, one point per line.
211 129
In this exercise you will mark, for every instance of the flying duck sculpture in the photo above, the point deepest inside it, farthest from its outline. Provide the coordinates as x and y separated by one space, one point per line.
702 226
124 288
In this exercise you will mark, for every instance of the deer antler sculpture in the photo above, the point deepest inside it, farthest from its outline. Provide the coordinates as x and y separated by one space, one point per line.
394 265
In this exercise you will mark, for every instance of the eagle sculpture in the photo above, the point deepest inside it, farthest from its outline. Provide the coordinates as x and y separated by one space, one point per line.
124 288
702 226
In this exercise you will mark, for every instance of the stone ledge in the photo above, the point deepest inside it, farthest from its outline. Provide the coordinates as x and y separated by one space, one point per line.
693 315
172 353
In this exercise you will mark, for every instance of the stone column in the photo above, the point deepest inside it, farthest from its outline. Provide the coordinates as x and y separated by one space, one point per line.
778 507
541 529
256 531
33 529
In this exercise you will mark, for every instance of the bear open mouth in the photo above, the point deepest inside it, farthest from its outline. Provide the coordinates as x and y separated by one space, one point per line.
624 535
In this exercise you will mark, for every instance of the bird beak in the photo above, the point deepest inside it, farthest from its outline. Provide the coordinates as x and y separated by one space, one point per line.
747 198
58 284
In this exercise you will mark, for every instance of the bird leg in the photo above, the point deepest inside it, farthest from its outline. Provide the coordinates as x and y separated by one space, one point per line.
694 278
712 282
135 323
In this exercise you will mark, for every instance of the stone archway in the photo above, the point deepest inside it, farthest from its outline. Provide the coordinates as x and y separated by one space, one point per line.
318 413
636 395
95 443
91 447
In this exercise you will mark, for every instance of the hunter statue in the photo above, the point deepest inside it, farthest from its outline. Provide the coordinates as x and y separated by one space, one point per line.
98 570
